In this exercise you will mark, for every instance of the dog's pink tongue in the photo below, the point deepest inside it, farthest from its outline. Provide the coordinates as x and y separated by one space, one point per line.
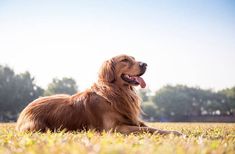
141 82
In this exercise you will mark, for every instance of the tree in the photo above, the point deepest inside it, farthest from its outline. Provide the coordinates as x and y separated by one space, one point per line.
63 86
182 102
230 94
16 91
144 94
172 102
150 111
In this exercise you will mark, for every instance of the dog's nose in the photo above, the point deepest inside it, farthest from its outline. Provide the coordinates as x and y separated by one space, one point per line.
142 64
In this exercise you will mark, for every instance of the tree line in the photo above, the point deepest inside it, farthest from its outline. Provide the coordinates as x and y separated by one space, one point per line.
170 103
17 90
183 103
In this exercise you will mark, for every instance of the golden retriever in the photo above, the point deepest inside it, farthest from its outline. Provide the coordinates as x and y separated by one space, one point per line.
111 104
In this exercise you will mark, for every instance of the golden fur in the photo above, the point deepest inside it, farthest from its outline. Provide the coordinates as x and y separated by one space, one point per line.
111 104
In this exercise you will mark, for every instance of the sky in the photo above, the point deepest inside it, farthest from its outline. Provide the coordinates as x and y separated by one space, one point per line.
183 42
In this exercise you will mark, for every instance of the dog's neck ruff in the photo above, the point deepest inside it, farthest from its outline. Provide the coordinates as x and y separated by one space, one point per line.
125 101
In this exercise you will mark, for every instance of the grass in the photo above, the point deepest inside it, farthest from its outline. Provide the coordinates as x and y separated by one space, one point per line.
215 138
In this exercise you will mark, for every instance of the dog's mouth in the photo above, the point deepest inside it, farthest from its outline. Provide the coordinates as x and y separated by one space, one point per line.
134 79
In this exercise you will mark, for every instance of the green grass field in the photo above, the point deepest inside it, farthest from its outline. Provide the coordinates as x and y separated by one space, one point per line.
202 138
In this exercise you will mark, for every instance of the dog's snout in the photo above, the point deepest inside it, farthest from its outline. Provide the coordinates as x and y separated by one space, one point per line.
142 64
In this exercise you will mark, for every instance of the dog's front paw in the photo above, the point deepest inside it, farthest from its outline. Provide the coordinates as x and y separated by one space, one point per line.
178 133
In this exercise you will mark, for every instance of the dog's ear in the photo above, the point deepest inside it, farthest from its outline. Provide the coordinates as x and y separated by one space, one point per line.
107 72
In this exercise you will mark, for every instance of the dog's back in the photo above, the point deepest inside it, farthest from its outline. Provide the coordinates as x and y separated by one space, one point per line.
52 112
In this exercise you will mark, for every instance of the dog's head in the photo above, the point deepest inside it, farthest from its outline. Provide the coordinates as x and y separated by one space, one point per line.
123 70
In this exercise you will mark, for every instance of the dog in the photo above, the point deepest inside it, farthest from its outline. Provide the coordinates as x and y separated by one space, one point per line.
111 104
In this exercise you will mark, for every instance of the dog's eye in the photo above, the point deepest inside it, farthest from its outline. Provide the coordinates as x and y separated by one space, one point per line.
125 60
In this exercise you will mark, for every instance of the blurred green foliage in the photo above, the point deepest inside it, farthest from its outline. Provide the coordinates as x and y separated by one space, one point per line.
16 91
63 86
183 103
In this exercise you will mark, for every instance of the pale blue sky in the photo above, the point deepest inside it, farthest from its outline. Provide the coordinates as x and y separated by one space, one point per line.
183 42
